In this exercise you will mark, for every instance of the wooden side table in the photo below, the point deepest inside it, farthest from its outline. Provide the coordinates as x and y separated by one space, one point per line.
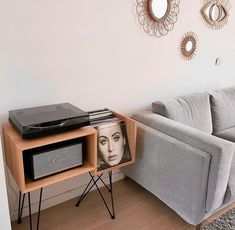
15 146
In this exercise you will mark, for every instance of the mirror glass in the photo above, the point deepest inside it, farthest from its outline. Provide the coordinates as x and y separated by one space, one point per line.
189 46
214 12
159 7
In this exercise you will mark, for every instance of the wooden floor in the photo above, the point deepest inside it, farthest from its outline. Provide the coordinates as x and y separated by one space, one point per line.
135 209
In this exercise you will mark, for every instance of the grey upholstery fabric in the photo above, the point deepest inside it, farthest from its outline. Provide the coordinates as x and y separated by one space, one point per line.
223 116
179 160
230 193
221 152
192 110
174 171
223 109
227 134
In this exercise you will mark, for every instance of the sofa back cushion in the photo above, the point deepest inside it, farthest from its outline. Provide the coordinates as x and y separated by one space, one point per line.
192 110
223 108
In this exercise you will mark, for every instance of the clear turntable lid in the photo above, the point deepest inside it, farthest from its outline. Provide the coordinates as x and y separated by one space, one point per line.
45 114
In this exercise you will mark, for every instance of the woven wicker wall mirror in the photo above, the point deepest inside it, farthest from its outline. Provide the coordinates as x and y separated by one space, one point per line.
215 13
157 16
188 45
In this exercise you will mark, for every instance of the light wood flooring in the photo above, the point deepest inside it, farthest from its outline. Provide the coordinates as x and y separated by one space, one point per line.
135 208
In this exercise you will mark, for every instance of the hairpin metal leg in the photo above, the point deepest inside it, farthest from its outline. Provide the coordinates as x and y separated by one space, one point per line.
86 190
39 208
81 197
109 189
20 207
30 214
112 214
111 192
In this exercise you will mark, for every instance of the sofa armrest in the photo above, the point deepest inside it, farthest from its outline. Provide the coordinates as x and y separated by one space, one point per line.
219 150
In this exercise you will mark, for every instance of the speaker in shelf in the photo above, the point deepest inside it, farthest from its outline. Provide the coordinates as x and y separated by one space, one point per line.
50 159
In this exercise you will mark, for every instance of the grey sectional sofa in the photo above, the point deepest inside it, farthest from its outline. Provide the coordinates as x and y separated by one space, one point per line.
185 153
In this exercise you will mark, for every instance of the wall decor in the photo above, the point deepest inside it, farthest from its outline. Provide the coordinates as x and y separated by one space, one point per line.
215 13
188 45
157 16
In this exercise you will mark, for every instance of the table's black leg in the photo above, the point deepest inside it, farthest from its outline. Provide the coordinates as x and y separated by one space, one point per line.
111 191
86 190
30 214
109 188
110 213
39 208
20 207
21 211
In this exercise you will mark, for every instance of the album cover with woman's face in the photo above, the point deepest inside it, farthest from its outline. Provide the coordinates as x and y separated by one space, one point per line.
113 147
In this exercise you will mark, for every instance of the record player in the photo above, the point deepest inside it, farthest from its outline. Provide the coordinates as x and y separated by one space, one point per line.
40 121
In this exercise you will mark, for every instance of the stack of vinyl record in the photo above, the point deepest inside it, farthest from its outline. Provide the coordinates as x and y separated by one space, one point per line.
98 117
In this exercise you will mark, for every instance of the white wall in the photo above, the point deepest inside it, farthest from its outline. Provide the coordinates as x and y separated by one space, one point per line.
94 54
4 210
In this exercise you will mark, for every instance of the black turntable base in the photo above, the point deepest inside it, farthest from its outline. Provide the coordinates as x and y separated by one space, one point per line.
44 120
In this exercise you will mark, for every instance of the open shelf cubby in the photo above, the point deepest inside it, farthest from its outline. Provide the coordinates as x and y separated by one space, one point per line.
131 129
15 147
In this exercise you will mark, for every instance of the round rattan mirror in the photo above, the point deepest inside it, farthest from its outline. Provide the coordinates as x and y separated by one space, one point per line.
157 16
188 45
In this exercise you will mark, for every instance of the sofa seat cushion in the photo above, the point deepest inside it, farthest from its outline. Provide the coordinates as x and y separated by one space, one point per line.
227 134
223 109
192 110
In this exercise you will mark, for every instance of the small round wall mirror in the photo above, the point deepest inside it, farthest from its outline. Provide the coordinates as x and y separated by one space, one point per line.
157 16
159 8
188 45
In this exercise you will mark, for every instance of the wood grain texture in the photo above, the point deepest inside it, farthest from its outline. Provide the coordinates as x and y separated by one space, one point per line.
13 156
14 147
135 208
24 144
